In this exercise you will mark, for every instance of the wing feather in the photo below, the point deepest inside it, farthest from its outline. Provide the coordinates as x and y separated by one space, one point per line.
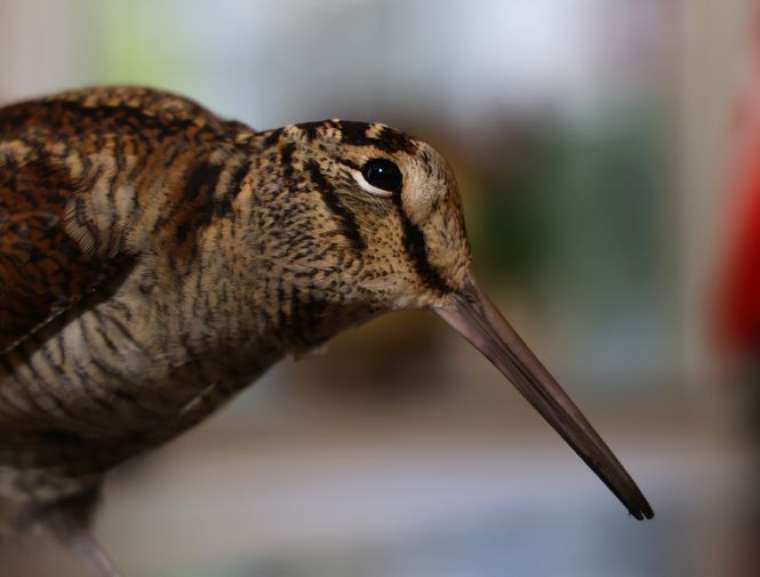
43 271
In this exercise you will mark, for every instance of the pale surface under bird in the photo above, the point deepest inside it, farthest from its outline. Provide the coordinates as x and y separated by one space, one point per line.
155 259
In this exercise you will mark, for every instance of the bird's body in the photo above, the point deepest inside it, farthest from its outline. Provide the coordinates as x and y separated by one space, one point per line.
155 259
158 309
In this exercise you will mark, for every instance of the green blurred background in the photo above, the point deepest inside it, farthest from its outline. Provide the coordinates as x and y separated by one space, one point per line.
589 138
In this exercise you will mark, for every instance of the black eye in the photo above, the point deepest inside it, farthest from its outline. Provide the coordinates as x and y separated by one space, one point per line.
382 174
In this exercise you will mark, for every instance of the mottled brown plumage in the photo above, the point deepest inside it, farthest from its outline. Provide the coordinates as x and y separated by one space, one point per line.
155 259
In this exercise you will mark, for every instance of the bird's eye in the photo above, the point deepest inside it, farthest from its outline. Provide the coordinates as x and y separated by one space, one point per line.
382 174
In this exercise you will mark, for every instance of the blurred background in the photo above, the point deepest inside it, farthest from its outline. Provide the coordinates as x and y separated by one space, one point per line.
600 147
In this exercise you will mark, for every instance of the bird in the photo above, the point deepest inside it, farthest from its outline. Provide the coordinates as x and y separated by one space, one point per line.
156 258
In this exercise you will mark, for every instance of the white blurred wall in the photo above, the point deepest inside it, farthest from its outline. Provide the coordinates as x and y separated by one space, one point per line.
40 47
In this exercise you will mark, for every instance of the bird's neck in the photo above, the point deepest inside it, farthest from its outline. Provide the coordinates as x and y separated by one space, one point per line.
241 316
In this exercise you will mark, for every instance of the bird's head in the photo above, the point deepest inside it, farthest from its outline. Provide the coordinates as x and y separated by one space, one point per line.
384 209
385 217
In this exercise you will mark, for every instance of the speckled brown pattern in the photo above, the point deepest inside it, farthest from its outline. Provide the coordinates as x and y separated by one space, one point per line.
155 259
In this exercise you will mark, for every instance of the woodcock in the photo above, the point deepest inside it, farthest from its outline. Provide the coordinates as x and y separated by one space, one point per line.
155 259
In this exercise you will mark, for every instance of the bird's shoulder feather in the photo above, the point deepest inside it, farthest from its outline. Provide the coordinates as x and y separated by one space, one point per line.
43 269
79 163
48 152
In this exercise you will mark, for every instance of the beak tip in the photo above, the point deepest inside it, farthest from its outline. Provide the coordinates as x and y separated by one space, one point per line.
640 510
646 513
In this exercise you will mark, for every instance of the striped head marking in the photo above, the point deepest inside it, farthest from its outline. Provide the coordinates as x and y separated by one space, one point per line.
387 204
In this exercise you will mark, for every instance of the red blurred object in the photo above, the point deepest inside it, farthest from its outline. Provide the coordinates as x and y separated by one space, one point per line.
739 304
739 289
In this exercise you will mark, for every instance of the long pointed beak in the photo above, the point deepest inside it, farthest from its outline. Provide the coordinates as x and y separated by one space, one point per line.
474 316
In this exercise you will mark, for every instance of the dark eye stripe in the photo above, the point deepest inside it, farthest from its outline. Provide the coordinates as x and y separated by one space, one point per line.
416 250
349 227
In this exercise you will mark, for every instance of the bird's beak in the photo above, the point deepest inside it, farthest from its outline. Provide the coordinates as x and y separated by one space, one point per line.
474 316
